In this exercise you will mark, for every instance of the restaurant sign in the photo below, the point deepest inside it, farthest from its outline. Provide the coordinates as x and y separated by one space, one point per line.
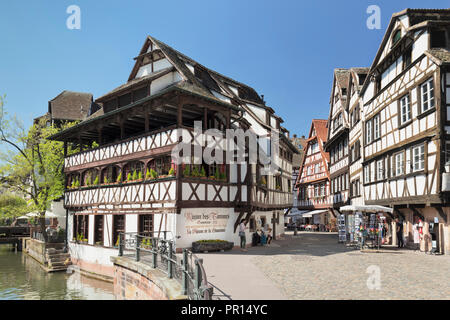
198 223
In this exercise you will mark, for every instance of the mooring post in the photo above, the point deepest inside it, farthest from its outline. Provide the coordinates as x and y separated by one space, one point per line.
169 260
154 253
120 245
185 271
138 249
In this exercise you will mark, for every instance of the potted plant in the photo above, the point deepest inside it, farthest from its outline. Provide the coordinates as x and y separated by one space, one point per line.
203 173
172 172
217 174
153 174
105 180
140 176
263 181
187 172
129 177
223 176
147 174
96 181
119 178
135 176
195 172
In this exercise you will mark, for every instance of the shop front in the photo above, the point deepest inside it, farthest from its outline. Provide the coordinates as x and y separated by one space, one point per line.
366 226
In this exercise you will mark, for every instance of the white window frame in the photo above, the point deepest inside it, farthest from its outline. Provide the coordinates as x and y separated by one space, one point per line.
376 127
380 169
405 106
399 159
427 90
367 173
418 165
369 132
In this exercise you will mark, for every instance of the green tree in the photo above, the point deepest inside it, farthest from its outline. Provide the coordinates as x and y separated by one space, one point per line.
31 164
11 206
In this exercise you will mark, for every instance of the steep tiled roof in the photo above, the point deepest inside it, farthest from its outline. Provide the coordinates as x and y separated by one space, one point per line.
321 129
69 105
440 56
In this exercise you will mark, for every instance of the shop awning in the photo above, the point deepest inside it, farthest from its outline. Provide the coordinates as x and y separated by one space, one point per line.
366 208
311 213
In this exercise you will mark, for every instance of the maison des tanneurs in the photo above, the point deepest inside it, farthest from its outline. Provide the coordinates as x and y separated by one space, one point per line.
129 182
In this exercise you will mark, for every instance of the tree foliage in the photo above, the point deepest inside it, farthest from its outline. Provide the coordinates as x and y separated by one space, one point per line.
12 206
31 165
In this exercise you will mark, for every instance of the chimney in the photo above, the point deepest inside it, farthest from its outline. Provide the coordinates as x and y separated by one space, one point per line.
295 136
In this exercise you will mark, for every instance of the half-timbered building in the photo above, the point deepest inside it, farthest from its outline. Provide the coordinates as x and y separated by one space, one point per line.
313 182
355 138
406 99
337 140
124 179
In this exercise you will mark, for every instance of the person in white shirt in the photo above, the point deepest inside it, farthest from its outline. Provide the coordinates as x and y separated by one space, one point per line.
242 235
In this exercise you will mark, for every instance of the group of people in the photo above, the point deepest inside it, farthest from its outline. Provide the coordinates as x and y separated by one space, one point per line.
260 237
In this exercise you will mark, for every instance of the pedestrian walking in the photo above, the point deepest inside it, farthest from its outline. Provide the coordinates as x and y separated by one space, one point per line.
269 235
242 235
400 242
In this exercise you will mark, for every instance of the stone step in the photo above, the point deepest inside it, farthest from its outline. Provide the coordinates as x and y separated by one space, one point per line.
58 256
59 264
54 269
58 260
54 251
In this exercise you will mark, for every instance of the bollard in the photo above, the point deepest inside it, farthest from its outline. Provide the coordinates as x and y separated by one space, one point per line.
185 271
154 254
169 261
120 244
138 249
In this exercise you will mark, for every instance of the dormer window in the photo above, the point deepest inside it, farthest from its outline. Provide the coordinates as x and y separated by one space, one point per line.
438 39
396 37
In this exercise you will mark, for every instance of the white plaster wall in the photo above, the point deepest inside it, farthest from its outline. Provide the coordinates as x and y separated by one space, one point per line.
131 223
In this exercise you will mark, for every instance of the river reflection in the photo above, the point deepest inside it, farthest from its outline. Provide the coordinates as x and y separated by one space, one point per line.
22 278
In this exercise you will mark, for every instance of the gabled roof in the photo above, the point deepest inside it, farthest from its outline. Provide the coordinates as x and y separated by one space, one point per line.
320 125
417 17
69 105
321 128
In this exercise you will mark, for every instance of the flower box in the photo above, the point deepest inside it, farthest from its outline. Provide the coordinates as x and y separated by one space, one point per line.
211 245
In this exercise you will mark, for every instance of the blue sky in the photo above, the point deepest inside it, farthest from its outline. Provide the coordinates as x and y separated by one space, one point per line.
286 50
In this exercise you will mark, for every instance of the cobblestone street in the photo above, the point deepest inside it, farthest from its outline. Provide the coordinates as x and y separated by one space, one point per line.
315 266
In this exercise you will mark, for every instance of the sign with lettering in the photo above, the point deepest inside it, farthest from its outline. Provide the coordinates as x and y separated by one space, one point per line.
212 222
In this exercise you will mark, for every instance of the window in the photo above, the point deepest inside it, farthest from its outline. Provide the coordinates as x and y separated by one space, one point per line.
146 224
398 170
427 95
380 169
447 153
438 39
368 132
407 57
81 226
340 150
396 37
322 190
367 174
418 158
118 227
316 169
98 229
405 109
376 127
316 190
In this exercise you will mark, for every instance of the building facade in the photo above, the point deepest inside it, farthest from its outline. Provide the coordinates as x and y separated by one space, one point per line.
406 99
131 183
337 140
313 182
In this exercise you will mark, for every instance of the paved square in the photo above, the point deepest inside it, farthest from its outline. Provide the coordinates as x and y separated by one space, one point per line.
316 266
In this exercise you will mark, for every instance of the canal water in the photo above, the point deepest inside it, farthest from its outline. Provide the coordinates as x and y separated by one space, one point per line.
22 278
